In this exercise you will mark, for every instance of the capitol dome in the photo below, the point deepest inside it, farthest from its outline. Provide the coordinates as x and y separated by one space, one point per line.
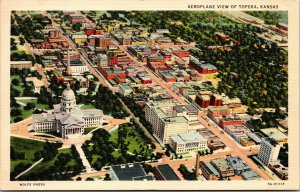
68 93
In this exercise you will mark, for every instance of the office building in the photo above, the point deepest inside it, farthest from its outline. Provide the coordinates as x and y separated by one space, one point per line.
269 151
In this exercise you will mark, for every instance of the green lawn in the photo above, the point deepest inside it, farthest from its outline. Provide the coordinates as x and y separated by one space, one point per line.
28 113
87 130
47 164
29 147
37 105
87 106
135 141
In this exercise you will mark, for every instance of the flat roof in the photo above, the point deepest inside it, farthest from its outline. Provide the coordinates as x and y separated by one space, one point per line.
218 108
274 133
222 164
167 172
237 163
188 137
128 171
250 175
211 168
143 178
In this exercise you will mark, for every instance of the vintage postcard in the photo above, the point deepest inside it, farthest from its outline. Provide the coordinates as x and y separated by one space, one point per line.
149 95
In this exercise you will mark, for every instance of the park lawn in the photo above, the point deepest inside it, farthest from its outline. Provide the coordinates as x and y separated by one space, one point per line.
87 130
29 147
135 141
37 105
44 165
87 106
28 113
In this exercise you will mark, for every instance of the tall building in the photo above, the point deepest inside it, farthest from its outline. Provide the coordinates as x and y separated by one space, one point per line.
169 118
103 60
67 118
269 151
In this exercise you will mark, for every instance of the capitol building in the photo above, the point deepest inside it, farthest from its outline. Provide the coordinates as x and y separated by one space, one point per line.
67 118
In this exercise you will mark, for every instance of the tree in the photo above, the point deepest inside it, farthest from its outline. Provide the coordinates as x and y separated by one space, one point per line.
15 82
22 41
15 112
29 106
76 26
107 178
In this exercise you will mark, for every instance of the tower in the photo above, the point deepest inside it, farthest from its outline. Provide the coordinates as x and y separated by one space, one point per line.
197 164
269 151
68 100
68 63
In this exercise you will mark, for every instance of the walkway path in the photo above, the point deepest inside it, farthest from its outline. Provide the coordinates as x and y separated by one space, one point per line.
85 162
29 168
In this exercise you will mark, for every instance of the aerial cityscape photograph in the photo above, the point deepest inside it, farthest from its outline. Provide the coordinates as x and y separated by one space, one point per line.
148 95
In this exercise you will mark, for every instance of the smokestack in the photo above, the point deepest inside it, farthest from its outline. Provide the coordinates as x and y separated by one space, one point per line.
68 62
197 164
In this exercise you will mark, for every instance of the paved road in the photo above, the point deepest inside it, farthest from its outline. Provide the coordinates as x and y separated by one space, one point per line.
32 166
235 148
84 176
85 162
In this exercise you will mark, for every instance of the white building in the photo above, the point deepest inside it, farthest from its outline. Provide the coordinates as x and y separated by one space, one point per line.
188 142
269 151
103 60
76 66
67 118
125 89
169 118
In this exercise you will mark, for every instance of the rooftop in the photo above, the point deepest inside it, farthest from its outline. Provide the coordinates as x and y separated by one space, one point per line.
209 167
188 137
218 108
237 163
222 164
250 175
166 172
128 172
274 133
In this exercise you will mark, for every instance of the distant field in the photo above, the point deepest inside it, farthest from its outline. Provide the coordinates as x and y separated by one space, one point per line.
270 17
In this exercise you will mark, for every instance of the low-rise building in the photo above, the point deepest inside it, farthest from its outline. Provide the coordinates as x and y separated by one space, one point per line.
222 167
250 175
208 171
128 172
237 164
165 172
277 135
188 142
125 89
21 64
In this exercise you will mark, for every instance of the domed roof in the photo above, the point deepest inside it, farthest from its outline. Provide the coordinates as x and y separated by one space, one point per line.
68 93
